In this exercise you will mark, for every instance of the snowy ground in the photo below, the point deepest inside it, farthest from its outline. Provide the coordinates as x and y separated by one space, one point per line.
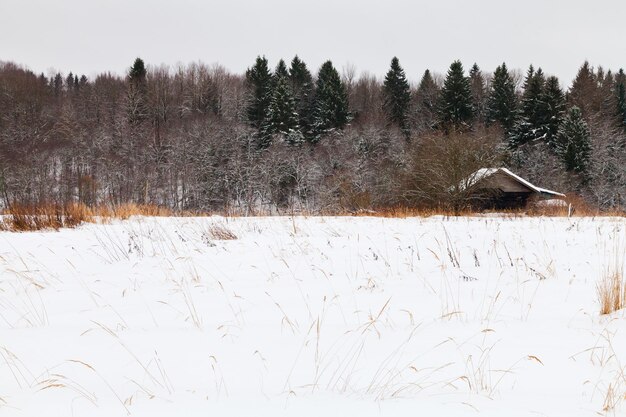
311 317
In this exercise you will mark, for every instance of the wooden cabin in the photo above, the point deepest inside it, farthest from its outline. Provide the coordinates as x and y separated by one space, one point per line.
499 188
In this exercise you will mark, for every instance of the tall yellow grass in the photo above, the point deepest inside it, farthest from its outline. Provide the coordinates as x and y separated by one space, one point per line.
55 216
22 218
611 288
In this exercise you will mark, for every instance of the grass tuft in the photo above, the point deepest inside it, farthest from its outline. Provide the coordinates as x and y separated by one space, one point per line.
219 231
612 287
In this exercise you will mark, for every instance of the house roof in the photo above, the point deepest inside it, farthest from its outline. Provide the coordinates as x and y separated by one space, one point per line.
483 173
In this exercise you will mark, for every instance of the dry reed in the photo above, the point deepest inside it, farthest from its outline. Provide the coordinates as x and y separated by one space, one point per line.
611 288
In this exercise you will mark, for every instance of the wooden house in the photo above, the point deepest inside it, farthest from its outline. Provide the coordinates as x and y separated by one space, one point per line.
499 188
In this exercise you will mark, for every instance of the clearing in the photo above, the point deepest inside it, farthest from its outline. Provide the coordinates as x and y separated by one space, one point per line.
321 316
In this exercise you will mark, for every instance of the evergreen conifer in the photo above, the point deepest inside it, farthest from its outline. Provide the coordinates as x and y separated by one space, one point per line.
477 83
553 108
281 69
302 88
530 126
259 82
455 105
396 96
137 73
330 107
502 101
574 142
426 101
282 117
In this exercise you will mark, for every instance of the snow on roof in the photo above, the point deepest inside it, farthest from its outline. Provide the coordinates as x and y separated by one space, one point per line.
487 172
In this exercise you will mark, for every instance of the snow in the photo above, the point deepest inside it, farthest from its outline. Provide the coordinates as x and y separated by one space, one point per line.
311 316
487 172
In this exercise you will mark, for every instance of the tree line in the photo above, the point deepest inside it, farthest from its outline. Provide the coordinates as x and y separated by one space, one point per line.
280 139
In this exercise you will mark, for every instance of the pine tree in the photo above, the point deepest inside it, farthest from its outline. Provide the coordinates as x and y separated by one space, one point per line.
259 82
426 100
574 142
282 117
330 107
553 108
477 84
302 88
530 126
455 106
502 101
396 96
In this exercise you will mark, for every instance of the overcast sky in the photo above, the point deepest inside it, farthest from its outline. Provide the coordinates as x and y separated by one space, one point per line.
91 36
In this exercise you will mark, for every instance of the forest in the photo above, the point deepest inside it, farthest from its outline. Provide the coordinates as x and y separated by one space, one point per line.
284 138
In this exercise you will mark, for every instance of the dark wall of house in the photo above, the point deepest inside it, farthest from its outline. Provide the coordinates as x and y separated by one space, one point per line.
502 200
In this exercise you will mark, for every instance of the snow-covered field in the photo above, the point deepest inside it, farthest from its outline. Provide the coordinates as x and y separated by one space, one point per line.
312 317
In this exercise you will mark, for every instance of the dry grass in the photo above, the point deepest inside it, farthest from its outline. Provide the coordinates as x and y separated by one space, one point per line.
581 208
612 292
612 286
50 216
219 231
124 211
20 218
402 212
574 206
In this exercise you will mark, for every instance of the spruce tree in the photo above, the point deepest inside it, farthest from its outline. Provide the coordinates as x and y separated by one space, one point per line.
282 117
299 75
69 82
574 142
606 100
43 81
137 72
330 107
57 84
477 84
396 96
281 70
302 88
502 101
426 102
136 100
532 105
455 105
530 126
83 81
553 107
259 82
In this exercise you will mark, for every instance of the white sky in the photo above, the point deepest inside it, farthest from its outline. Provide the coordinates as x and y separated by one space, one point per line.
91 36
